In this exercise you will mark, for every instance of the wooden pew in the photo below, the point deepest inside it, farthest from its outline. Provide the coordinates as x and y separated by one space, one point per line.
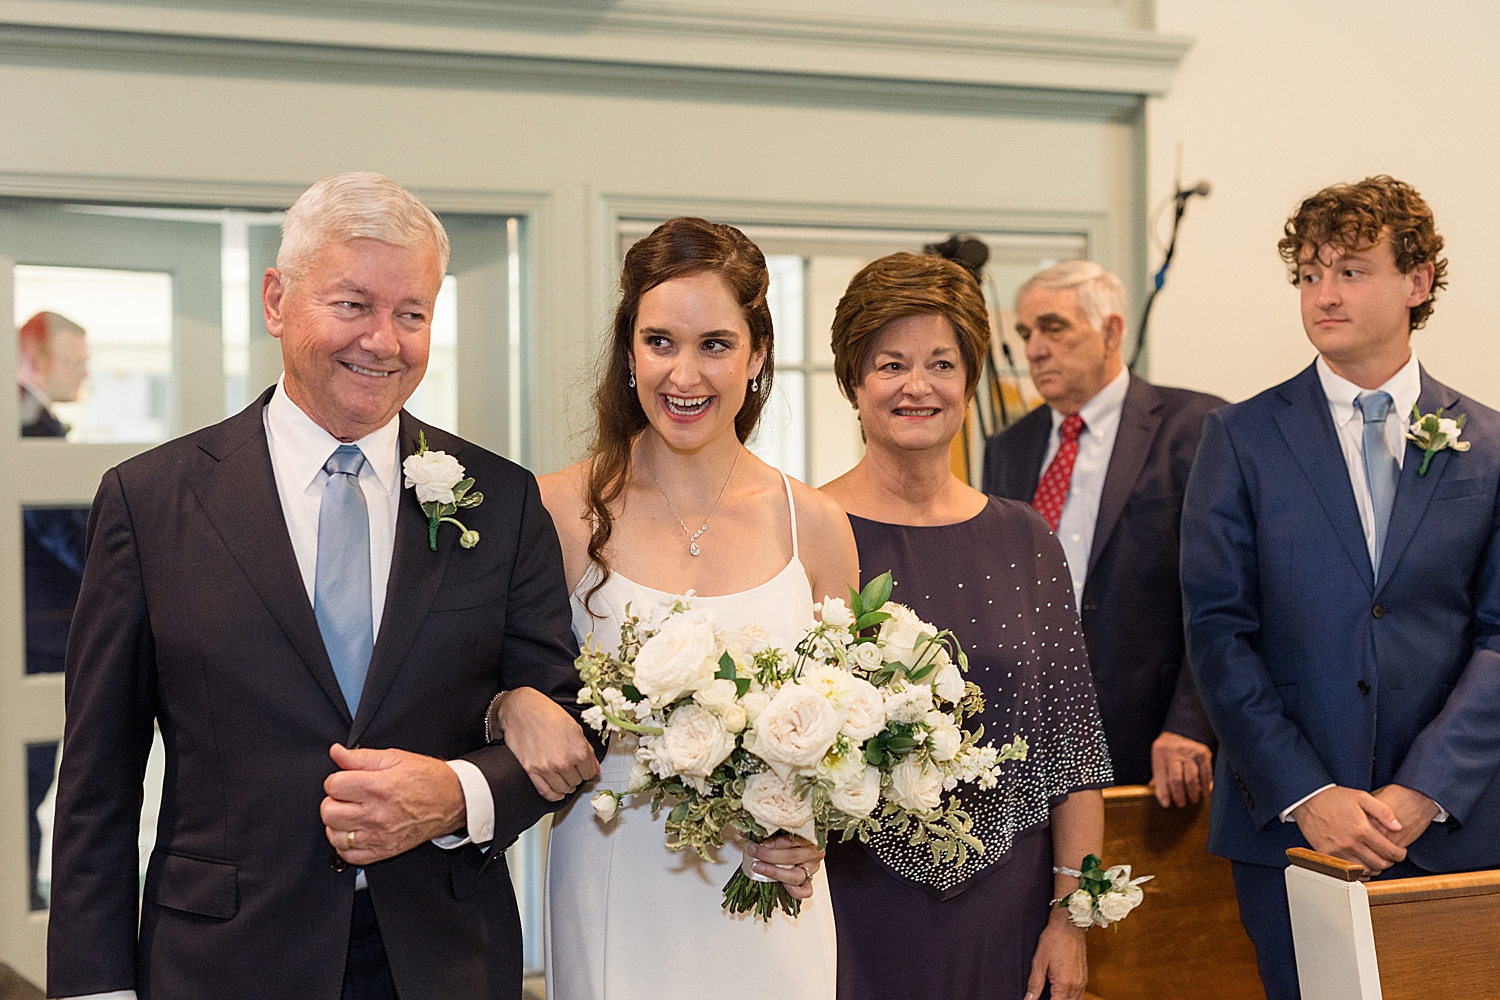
1430 937
1185 940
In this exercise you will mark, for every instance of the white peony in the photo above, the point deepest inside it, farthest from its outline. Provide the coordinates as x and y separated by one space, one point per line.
796 729
865 656
858 794
434 474
836 613
696 741
901 634
834 683
1081 908
866 708
944 739
909 703
747 640
605 805
916 785
678 659
776 805
948 682
1116 905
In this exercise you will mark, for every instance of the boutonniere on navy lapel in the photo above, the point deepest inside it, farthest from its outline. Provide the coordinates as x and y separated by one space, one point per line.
441 490
1434 432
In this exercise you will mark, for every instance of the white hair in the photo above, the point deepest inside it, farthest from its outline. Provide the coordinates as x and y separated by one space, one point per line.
351 206
1099 293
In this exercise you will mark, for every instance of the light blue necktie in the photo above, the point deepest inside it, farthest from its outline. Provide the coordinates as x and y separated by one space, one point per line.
341 596
1381 469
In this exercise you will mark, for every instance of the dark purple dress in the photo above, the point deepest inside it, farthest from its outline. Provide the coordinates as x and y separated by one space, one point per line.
907 928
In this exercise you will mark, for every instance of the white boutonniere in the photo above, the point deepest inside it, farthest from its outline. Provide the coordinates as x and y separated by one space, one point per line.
441 490
1434 432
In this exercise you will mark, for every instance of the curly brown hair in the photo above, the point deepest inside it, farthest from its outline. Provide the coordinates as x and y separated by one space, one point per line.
908 284
675 249
1355 216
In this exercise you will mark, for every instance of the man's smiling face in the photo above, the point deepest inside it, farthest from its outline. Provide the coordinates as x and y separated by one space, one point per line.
355 331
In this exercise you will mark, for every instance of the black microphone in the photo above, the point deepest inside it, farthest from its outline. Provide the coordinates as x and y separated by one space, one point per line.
1202 190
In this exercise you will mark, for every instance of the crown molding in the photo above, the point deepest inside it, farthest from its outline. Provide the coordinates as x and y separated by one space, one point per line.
657 43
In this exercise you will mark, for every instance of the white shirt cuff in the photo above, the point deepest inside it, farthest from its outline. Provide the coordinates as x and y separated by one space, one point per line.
478 802
115 995
1442 816
1286 814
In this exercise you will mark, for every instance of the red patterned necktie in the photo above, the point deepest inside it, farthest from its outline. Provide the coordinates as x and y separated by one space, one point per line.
1052 491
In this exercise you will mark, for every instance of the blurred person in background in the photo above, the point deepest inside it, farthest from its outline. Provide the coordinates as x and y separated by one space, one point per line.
909 339
52 360
1106 462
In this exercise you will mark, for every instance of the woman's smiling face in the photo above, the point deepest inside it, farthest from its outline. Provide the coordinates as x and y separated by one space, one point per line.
911 392
693 359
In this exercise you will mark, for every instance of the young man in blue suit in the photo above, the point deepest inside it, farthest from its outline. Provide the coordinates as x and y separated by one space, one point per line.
1342 585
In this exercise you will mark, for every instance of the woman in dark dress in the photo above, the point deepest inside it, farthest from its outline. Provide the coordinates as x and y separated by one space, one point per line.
909 337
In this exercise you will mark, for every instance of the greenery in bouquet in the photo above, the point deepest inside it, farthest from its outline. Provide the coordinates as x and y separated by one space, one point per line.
858 729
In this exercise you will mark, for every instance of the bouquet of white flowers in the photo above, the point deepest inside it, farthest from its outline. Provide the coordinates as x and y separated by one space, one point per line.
859 728
1104 896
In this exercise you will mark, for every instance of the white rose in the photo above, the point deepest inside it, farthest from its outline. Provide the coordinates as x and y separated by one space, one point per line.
696 741
910 703
677 659
747 640
776 805
605 805
735 718
866 706
640 776
796 729
754 703
944 739
719 693
916 785
948 683
434 474
865 656
858 795
1081 908
836 613
900 634
1115 906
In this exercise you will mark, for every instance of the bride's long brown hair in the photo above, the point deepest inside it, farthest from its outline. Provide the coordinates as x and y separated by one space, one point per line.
675 249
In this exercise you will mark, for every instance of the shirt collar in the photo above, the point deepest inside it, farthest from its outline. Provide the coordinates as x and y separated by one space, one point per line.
37 394
306 446
1404 387
1105 407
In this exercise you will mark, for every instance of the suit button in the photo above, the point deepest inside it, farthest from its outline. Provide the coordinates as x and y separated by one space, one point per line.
1378 611
1364 687
338 864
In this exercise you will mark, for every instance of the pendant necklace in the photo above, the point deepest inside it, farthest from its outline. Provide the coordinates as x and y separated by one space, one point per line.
692 537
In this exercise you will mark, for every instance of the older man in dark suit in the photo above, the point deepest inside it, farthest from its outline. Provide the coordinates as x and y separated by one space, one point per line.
320 664
1106 462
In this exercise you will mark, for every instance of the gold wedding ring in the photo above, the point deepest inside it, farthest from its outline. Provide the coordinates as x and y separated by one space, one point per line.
349 838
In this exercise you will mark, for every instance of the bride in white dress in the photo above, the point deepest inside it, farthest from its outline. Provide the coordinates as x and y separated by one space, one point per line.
669 501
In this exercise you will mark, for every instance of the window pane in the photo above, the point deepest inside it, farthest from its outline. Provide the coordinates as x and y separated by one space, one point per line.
836 443
781 438
436 399
52 547
786 300
41 770
95 353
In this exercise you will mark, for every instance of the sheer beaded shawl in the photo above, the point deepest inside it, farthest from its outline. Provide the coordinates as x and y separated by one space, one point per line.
1000 581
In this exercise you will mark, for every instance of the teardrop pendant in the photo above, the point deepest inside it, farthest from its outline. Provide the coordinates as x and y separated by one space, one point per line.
693 549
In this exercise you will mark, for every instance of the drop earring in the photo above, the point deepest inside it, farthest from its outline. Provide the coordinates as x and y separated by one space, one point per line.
632 380
755 384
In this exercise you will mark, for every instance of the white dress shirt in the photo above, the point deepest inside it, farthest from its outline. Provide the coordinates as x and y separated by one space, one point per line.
1101 424
299 449
1404 388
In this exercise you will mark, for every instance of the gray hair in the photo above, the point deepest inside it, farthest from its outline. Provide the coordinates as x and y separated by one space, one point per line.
1099 292
351 206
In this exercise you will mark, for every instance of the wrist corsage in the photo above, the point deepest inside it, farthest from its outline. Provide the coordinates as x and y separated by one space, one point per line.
1104 896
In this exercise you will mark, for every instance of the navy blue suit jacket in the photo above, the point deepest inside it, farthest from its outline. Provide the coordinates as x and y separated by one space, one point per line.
1315 671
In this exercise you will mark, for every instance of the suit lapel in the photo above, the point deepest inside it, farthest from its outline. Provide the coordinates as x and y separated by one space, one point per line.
416 571
239 496
1413 492
1028 471
1308 429
1140 418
